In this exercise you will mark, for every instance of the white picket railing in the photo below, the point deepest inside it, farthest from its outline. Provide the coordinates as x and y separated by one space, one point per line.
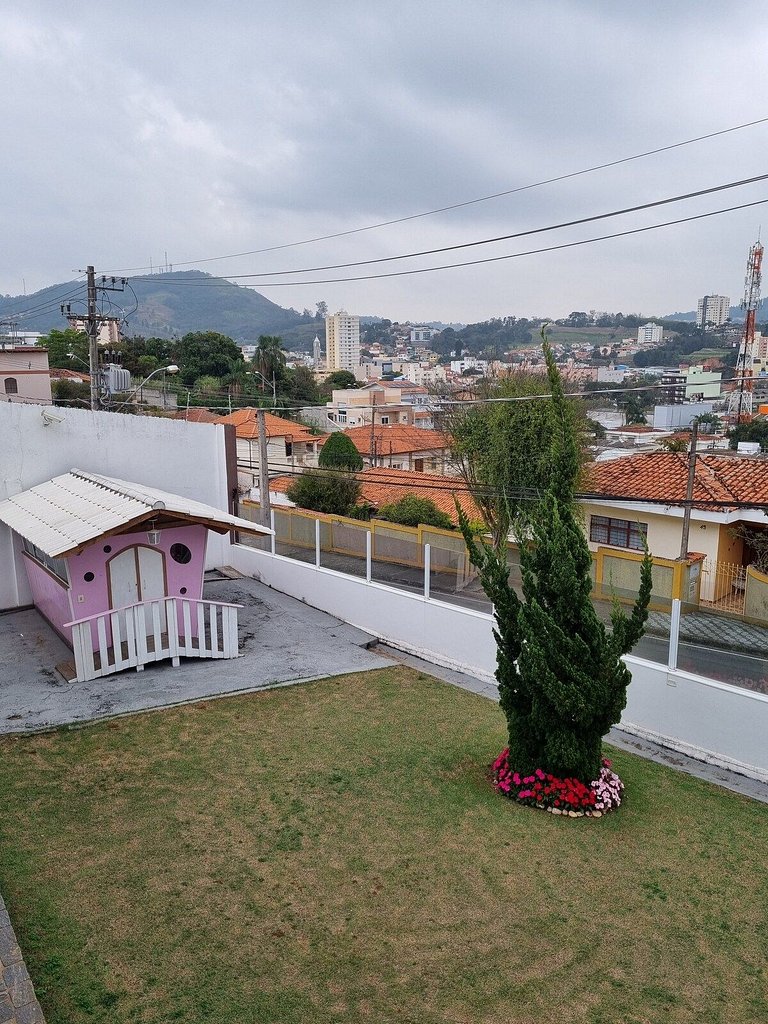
168 627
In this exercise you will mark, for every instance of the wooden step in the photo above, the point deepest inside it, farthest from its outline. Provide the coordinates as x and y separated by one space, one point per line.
229 573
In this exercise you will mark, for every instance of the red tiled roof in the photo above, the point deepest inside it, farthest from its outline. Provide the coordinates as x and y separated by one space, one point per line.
246 426
396 439
662 477
61 373
197 415
382 486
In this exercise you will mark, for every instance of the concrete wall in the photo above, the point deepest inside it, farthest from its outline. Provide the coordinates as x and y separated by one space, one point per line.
185 458
700 717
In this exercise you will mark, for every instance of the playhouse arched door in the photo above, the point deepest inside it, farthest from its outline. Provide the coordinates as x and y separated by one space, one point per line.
137 574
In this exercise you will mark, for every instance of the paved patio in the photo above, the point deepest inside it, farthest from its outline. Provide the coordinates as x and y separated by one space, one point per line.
281 641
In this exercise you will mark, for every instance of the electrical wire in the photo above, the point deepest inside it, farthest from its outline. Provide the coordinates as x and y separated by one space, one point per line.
218 282
468 202
45 306
506 238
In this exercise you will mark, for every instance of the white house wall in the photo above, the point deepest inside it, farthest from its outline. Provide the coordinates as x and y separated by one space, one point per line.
185 458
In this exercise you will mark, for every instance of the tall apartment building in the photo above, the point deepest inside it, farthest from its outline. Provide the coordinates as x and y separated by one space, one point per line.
713 309
342 342
650 334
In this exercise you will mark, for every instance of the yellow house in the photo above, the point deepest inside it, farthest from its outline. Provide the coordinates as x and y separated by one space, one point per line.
640 499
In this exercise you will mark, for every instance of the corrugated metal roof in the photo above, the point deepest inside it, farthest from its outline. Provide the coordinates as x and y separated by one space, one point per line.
64 513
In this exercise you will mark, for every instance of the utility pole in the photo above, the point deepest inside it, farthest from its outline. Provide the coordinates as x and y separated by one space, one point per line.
689 491
93 322
264 506
92 329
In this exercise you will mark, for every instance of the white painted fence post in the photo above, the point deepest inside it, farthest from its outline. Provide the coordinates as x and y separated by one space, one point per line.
367 556
427 569
674 634
317 543
272 524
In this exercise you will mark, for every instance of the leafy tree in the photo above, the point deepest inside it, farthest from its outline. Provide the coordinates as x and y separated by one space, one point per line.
206 354
340 379
498 446
269 358
634 409
61 343
322 310
299 385
324 491
146 365
674 444
755 430
208 386
339 452
70 393
412 511
562 683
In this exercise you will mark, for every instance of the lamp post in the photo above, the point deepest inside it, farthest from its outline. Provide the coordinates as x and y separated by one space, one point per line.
161 369
270 384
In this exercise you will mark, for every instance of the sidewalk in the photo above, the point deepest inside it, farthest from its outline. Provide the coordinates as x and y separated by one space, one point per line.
713 631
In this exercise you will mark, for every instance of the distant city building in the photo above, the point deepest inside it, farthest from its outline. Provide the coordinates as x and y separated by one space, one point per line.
316 353
342 341
109 330
610 375
419 335
702 384
650 335
713 309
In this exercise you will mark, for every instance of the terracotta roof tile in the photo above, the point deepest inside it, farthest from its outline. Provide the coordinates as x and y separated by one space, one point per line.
663 476
396 439
382 486
197 415
246 426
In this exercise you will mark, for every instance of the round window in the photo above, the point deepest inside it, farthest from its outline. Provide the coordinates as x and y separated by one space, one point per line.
183 590
181 553
107 548
88 577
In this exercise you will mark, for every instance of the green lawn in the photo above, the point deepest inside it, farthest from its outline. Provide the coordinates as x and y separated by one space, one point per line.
334 853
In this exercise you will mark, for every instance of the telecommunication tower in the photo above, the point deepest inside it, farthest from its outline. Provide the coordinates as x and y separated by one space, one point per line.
740 402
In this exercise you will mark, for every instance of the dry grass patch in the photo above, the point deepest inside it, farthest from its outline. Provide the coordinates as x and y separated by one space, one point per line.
333 852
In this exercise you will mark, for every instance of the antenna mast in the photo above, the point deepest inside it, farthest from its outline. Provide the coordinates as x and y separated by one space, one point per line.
740 403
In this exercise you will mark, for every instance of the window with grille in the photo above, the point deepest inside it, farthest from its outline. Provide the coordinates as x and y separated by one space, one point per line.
11 386
621 533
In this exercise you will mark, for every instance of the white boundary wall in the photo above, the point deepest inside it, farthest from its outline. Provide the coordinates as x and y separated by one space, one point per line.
701 717
185 458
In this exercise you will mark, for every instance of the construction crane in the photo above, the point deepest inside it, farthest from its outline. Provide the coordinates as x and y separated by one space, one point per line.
740 401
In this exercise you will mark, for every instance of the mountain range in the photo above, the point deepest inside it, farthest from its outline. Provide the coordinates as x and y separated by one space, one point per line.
164 305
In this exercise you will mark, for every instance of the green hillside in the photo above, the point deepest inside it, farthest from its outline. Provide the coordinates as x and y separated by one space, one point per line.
168 305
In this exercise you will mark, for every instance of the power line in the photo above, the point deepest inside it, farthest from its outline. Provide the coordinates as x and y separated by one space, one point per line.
520 493
468 202
472 263
46 305
517 234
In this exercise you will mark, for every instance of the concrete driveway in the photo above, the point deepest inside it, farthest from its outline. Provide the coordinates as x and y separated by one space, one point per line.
282 640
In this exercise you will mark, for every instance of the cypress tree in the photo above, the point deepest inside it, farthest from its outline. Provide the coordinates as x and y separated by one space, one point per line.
562 683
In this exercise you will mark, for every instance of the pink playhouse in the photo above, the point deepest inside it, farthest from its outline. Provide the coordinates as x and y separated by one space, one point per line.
117 570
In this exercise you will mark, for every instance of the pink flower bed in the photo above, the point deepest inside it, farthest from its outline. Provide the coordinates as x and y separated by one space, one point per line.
560 796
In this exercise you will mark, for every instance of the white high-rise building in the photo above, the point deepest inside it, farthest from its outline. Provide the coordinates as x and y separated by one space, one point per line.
650 334
342 341
713 309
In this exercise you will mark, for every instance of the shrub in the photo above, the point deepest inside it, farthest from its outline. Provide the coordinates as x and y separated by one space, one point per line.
339 452
324 491
412 511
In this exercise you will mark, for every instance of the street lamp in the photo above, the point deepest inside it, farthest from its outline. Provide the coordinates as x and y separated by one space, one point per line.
258 373
161 369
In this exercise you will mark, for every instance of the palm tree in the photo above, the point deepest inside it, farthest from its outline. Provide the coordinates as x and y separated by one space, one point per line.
269 358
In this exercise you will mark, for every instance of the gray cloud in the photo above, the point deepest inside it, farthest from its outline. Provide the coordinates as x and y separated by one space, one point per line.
206 129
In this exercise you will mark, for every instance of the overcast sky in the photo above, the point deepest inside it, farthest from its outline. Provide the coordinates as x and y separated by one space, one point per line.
205 129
